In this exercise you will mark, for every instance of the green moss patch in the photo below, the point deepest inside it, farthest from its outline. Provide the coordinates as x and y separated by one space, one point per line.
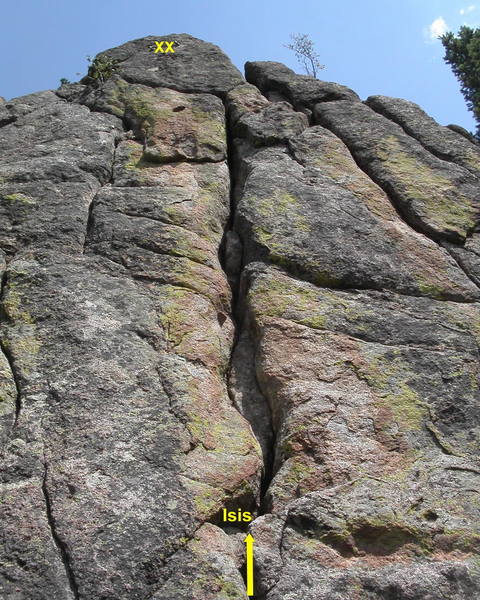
22 198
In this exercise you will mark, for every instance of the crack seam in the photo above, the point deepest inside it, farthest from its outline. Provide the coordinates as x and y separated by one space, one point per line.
424 348
59 543
459 262
159 279
411 133
297 277
8 356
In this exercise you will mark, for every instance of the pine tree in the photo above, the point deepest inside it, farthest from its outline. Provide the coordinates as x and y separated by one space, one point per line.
462 53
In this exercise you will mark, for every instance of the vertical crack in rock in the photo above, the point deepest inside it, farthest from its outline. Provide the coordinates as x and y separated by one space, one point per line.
91 206
8 355
268 469
59 543
241 376
89 222
303 380
335 384
232 261
231 265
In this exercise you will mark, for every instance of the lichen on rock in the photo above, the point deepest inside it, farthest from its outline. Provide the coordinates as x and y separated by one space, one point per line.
229 296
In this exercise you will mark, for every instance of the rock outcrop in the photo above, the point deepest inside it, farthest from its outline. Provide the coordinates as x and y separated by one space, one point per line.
255 295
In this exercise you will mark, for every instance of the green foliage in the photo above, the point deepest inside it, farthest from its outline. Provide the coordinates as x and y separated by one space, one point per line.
462 53
305 52
64 81
101 67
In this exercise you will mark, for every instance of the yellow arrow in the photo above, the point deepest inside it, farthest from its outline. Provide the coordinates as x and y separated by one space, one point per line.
249 544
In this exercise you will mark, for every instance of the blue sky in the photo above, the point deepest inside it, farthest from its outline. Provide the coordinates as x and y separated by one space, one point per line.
374 46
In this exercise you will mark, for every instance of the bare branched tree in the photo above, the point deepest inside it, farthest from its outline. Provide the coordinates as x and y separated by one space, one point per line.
305 52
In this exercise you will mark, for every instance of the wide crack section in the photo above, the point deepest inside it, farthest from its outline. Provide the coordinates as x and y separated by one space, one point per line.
243 387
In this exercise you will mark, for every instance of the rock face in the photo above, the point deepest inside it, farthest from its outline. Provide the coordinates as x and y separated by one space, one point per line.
256 297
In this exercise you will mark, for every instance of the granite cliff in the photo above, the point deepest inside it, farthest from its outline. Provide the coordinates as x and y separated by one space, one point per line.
257 294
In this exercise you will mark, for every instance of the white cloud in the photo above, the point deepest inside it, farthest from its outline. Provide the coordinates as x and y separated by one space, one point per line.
437 28
468 9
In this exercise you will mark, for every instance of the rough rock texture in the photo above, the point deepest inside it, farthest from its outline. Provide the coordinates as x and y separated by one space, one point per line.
301 90
436 197
193 66
218 294
439 140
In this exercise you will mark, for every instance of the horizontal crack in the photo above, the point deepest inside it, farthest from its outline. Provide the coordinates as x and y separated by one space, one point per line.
353 288
161 280
173 253
423 347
